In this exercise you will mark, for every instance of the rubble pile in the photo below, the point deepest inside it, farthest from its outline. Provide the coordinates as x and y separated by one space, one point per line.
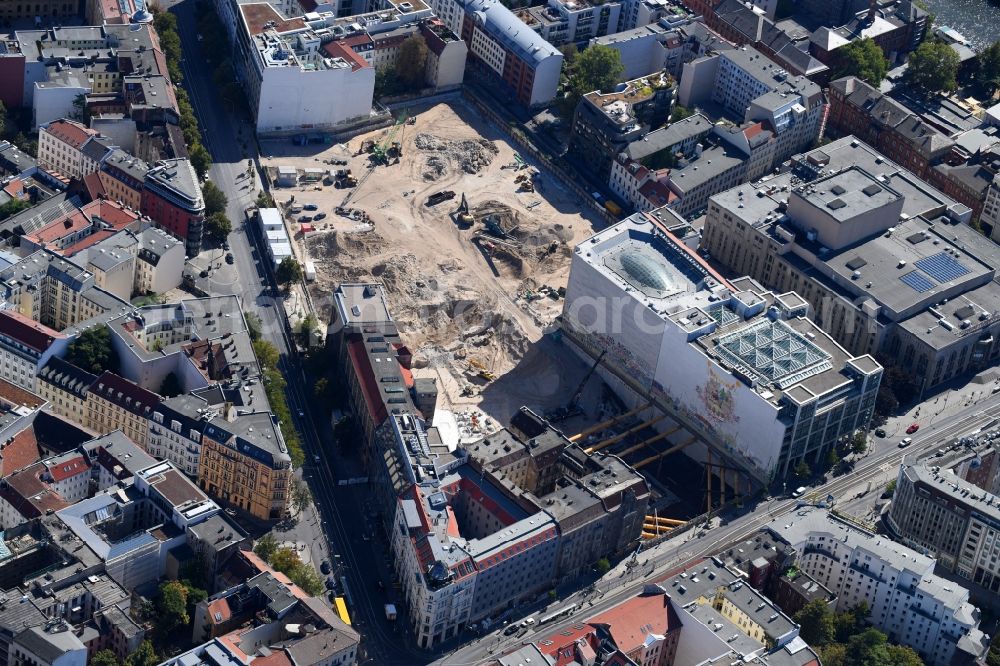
469 155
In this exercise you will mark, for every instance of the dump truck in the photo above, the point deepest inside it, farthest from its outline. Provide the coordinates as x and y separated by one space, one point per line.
613 208
438 197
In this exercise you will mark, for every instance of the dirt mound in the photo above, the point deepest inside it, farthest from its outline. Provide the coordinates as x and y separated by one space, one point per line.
435 167
330 245
470 155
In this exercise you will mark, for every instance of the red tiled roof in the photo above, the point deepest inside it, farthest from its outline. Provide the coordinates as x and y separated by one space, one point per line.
84 243
339 50
20 452
27 331
73 223
94 186
631 622
29 495
71 132
68 468
753 130
366 377
356 40
220 608
111 213
12 395
15 188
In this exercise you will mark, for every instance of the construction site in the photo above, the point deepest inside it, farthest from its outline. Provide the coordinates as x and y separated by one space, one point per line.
473 244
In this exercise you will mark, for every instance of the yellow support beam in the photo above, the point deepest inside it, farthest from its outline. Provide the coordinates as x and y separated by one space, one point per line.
648 535
669 521
651 440
619 437
672 449
604 425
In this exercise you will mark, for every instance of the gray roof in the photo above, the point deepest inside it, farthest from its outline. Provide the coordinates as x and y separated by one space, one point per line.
48 646
320 646
692 127
764 70
712 162
13 160
501 24
176 181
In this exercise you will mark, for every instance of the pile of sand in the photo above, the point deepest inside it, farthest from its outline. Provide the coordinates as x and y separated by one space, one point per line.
469 155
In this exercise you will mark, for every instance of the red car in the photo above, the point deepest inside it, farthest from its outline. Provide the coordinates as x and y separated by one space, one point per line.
913 428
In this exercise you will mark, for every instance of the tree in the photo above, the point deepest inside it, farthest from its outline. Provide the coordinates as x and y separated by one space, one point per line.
265 547
218 227
308 579
322 389
886 402
680 113
92 351
851 621
288 271
903 655
81 111
285 559
267 354
144 656
171 386
172 607
264 200
215 199
891 487
831 457
412 62
13 207
307 327
802 471
988 70
301 497
104 658
598 67
817 622
387 82
200 158
255 326
834 654
864 59
603 566
933 66
569 53
859 443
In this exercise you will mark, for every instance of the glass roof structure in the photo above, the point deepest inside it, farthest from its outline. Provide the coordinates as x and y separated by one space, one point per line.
773 352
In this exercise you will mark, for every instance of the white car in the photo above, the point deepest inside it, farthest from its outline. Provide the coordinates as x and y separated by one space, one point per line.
905 442
799 492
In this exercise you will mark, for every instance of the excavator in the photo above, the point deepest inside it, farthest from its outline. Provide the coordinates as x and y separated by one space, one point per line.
462 215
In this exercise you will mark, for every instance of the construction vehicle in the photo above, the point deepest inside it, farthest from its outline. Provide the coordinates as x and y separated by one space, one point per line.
388 148
526 186
520 178
343 178
462 215
438 197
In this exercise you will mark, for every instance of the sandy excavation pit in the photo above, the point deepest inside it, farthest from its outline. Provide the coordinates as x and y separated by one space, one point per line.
466 299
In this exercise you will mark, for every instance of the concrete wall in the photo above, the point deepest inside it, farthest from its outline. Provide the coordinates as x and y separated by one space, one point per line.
291 99
697 81
54 103
546 80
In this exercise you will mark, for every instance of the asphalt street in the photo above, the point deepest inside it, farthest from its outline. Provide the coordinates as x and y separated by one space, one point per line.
869 476
342 522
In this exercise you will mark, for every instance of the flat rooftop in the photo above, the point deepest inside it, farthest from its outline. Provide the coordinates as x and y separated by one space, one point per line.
846 194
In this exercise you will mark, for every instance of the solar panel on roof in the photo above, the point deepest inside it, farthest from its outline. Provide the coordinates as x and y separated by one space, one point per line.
917 281
942 267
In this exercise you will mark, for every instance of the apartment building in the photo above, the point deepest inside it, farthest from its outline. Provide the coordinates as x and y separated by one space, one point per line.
65 388
605 124
750 87
55 292
468 545
171 197
885 260
68 234
122 176
513 55
245 463
71 148
950 518
858 109
26 346
291 79
716 355
905 598
570 22
115 403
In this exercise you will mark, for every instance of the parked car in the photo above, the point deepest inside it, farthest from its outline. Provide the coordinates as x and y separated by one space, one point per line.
325 567
229 258
799 492
319 216
880 432
905 442
913 428
511 628
305 218
310 206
